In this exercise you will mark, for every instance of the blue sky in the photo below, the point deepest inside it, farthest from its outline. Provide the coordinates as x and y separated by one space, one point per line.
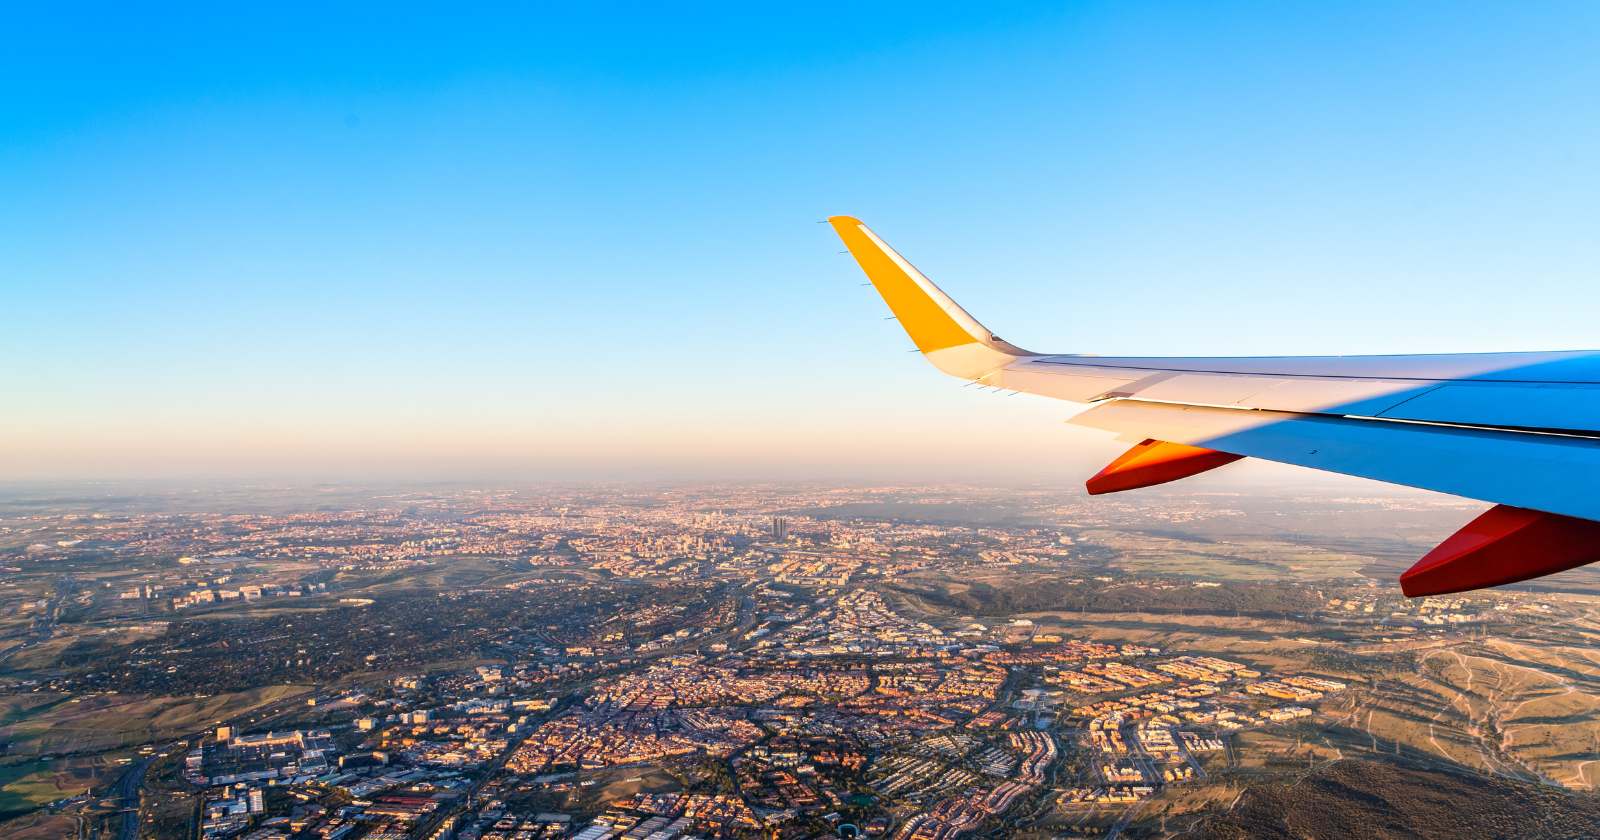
583 240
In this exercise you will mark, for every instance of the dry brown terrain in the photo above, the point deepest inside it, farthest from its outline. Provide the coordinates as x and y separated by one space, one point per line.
1368 799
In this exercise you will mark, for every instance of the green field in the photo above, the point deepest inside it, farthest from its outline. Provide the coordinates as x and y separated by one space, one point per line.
108 722
29 785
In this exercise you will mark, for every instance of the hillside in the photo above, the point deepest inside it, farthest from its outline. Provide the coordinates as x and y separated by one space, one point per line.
1371 800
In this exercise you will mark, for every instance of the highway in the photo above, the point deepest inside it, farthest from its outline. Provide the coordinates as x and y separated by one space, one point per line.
127 789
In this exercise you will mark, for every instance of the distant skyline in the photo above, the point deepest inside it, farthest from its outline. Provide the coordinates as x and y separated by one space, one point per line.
576 243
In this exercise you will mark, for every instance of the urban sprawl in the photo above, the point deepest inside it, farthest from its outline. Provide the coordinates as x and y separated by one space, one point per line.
621 665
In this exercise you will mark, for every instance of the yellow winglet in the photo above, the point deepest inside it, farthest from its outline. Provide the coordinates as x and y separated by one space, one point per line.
935 322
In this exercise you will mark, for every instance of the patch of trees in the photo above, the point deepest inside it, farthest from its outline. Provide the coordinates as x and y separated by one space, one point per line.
1262 600
400 630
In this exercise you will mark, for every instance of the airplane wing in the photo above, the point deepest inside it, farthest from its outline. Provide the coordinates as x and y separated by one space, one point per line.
1520 430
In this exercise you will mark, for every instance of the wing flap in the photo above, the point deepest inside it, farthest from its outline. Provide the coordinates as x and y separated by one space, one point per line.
1544 472
1580 367
1566 407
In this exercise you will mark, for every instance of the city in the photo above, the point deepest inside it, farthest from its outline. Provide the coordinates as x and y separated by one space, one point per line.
605 662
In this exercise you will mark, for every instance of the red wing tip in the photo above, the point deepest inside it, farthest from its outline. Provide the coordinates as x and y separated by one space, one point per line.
1411 587
1100 485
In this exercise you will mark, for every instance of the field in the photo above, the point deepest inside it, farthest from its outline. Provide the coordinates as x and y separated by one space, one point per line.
55 726
26 785
1240 559
41 826
1521 702
45 655
1497 705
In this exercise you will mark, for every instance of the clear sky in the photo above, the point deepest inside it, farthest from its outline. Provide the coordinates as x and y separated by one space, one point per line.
582 239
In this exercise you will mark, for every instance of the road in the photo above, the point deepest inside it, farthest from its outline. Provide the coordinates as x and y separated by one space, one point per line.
43 626
1127 817
127 789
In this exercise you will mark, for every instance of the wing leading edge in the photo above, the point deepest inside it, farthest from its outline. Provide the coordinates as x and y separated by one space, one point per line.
1521 430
